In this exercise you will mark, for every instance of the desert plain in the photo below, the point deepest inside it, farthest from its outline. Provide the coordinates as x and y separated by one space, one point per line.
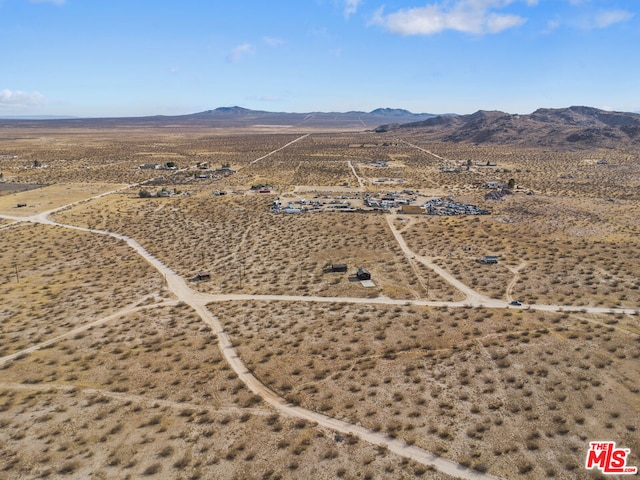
117 362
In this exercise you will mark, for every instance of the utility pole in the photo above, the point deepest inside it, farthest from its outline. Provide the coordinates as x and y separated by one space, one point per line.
17 274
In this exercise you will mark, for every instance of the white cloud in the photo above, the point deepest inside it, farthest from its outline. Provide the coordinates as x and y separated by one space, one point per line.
273 42
606 18
469 16
351 7
496 23
55 2
20 99
241 51
552 25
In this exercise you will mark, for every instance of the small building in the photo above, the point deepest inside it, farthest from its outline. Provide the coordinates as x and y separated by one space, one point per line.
339 267
488 260
363 274
203 276
371 202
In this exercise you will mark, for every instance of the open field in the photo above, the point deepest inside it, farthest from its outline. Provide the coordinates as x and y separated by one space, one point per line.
54 280
112 367
149 395
90 155
49 197
457 382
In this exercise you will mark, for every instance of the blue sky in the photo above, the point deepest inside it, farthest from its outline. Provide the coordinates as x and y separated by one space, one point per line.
130 58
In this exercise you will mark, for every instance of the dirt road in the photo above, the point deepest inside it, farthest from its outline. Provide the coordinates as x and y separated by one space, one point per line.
355 174
278 149
473 298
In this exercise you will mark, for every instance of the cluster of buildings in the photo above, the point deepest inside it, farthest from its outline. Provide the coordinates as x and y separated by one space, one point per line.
363 275
303 205
155 166
390 200
405 202
216 173
449 207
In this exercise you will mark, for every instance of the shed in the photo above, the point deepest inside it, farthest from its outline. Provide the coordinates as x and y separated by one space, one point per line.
202 276
488 259
363 274
339 267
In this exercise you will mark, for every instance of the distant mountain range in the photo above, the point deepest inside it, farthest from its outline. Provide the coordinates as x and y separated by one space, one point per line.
242 117
36 117
238 117
572 127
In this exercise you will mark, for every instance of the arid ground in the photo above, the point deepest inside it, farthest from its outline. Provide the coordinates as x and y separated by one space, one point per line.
116 362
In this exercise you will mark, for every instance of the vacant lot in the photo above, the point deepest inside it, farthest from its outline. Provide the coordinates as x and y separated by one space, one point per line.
55 279
47 198
148 395
459 382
